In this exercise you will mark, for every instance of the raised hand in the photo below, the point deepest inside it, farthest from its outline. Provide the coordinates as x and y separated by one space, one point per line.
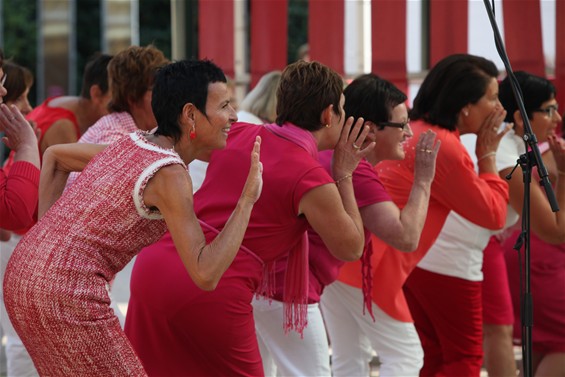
557 146
254 183
18 132
350 149
19 135
489 135
427 149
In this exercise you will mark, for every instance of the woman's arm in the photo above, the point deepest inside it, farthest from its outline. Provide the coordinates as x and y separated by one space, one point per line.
402 228
58 162
18 190
547 225
332 210
170 190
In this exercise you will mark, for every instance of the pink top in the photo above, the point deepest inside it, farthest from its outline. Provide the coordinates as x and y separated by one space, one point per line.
324 267
18 195
481 199
106 130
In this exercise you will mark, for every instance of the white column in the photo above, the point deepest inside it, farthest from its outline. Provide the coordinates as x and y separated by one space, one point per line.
357 38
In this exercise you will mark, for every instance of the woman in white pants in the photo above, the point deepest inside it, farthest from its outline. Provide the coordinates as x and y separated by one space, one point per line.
383 108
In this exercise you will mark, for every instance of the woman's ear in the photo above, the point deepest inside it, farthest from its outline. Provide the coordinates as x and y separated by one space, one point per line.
188 112
518 123
327 115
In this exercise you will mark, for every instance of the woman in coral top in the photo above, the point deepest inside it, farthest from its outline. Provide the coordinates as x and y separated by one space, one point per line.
458 96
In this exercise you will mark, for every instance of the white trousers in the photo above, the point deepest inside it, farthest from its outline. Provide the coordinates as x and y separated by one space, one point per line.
288 354
19 363
353 336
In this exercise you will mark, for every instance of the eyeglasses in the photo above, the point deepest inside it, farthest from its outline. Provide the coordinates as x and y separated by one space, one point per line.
550 111
3 80
405 126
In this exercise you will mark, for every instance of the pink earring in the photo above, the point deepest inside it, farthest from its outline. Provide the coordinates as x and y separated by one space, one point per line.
193 133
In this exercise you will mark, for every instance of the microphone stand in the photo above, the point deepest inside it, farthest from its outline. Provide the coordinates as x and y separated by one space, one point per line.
527 161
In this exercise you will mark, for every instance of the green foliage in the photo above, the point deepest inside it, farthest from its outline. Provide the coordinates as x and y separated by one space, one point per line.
20 34
155 24
297 27
88 34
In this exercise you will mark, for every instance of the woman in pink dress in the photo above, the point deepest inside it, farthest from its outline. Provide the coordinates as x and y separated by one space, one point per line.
176 328
55 287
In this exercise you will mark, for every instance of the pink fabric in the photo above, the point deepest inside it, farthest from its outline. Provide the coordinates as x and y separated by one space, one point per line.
324 267
106 130
214 331
547 285
55 287
295 294
497 303
18 195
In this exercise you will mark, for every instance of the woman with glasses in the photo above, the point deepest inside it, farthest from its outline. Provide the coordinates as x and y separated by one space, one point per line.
18 188
458 96
547 243
383 108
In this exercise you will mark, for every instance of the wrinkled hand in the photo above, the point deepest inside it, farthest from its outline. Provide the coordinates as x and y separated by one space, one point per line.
18 132
488 136
349 149
254 184
427 149
557 146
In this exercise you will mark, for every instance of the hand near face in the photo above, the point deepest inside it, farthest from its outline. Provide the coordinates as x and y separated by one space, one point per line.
427 149
18 132
557 146
488 136
254 183
349 149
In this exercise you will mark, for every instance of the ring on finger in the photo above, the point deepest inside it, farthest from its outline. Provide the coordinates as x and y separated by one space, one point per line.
356 146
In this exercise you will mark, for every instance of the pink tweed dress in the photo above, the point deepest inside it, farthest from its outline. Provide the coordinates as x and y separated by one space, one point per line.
56 282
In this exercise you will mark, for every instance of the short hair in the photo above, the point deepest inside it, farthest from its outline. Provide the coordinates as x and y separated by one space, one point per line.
305 90
372 98
451 84
535 91
18 81
177 84
131 73
262 100
95 73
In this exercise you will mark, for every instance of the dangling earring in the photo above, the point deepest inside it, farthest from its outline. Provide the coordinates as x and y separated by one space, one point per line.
193 133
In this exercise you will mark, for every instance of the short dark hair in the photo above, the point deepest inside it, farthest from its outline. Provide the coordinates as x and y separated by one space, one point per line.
372 98
19 79
95 73
451 84
177 84
305 90
535 90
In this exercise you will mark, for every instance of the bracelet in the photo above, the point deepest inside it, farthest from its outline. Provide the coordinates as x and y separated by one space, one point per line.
338 181
486 155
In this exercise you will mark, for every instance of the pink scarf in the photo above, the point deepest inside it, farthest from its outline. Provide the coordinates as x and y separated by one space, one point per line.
295 296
